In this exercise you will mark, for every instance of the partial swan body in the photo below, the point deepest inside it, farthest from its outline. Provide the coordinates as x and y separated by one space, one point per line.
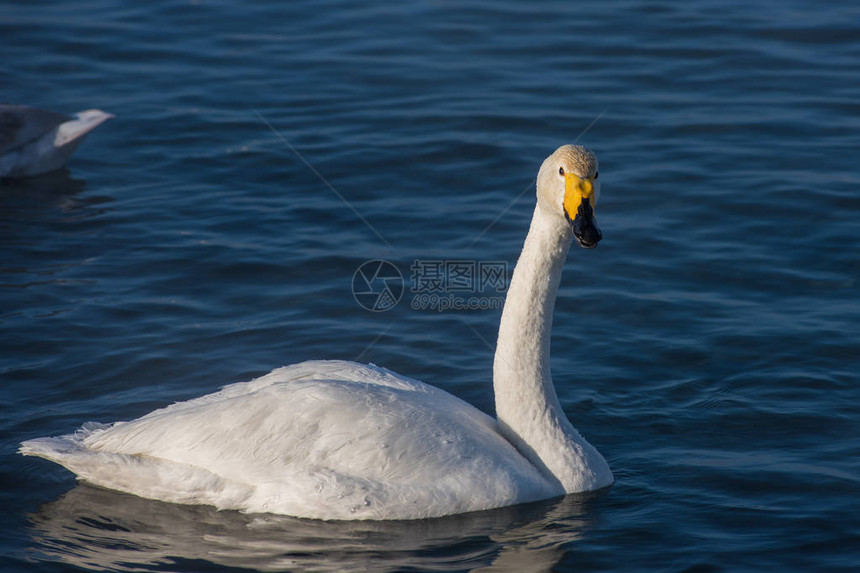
341 440
35 141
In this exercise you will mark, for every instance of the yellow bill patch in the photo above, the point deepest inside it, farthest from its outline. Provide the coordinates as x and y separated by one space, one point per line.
575 190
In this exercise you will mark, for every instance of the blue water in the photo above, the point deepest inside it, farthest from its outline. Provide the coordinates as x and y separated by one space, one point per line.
709 347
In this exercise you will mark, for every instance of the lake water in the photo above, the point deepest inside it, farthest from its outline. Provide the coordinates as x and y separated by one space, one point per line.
262 152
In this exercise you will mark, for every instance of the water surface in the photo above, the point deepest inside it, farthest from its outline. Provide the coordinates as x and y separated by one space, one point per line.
261 153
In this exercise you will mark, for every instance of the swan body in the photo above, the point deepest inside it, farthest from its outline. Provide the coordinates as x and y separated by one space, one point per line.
324 439
35 141
341 440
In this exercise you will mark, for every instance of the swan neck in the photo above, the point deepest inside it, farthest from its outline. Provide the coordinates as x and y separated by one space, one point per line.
527 407
522 361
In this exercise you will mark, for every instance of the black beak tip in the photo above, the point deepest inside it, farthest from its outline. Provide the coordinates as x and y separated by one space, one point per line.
584 228
586 244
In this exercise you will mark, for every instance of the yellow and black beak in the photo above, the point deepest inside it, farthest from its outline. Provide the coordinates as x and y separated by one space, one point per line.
579 201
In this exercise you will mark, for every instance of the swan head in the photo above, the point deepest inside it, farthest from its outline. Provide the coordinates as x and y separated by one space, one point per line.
567 187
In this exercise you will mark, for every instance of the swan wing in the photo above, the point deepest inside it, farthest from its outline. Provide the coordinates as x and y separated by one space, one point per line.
323 439
20 125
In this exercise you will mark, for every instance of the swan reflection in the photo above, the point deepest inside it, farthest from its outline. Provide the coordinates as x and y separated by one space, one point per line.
95 528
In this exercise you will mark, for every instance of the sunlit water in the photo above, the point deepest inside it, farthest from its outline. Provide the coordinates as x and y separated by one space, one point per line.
709 347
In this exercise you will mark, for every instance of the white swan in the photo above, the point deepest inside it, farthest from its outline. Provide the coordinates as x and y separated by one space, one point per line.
340 440
34 141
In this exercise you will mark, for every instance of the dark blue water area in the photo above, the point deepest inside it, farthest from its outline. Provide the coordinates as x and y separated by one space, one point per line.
261 152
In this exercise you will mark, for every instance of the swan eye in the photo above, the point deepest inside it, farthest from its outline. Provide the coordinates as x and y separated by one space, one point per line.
561 171
596 175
